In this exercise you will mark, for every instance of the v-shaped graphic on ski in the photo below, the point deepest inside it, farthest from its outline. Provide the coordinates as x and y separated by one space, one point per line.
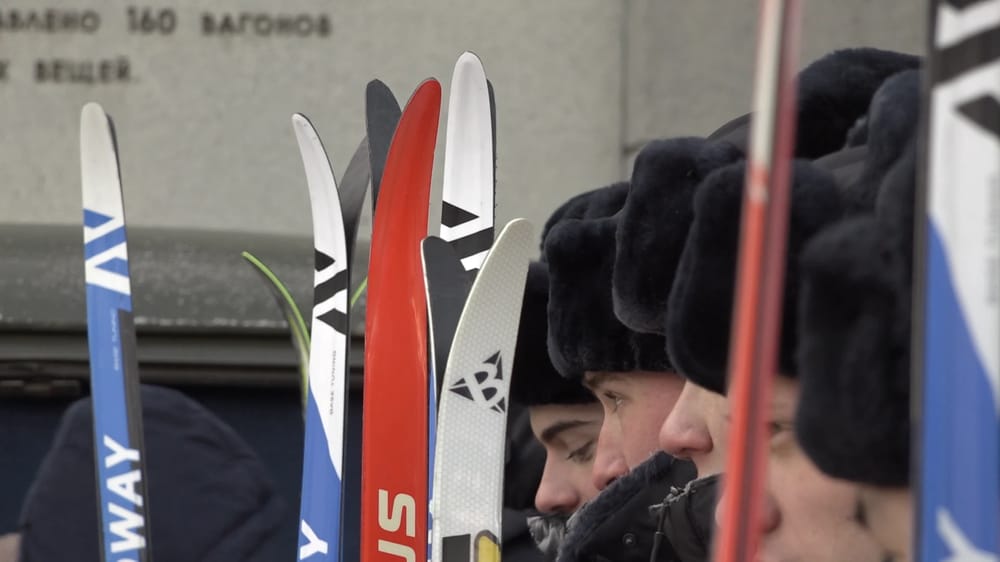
394 450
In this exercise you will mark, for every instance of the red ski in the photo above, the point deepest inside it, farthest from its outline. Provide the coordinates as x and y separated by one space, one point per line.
394 436
760 278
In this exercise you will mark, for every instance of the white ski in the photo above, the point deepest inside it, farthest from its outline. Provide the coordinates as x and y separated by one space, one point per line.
323 449
468 471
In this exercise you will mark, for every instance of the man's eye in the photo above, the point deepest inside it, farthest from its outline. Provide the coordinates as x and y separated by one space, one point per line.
615 400
582 454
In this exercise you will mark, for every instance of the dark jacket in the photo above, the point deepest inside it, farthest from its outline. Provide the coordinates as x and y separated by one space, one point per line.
210 498
617 525
686 519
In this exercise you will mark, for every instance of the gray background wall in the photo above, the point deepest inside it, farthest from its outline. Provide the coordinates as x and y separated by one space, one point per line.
203 119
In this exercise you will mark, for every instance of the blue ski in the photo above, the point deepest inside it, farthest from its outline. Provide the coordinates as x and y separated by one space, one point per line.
959 350
114 369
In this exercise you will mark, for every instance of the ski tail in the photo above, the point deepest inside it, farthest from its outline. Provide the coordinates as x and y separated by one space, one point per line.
470 464
382 115
760 277
394 452
956 351
323 456
119 453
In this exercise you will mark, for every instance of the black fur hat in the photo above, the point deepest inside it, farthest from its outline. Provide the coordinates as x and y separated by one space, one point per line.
584 334
889 126
854 339
835 91
600 202
701 301
654 223
534 380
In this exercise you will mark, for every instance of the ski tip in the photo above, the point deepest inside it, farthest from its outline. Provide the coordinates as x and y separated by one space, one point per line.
433 245
377 89
519 229
305 133
93 116
468 59
300 120
429 87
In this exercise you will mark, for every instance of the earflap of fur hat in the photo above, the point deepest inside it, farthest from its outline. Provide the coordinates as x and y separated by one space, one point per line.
835 91
534 381
700 304
853 414
584 334
654 224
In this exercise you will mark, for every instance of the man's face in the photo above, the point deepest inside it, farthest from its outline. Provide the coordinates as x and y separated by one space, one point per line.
888 514
806 516
635 405
696 429
569 435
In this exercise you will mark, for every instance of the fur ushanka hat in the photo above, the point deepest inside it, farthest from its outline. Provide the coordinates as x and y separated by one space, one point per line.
584 334
654 222
699 308
854 323
834 93
534 380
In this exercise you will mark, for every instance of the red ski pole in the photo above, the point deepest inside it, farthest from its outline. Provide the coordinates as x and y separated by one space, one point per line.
760 278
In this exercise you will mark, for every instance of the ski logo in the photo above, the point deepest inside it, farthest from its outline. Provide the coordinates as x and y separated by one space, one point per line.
128 520
470 248
104 252
457 548
402 513
314 544
330 309
485 386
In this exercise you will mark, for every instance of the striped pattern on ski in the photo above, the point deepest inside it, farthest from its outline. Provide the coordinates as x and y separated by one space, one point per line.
468 476
394 451
760 278
957 345
114 370
323 450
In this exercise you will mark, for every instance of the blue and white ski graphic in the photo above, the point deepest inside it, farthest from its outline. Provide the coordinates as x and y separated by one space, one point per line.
959 495
114 369
323 451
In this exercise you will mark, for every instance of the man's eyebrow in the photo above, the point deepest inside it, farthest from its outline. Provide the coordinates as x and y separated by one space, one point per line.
598 379
555 429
